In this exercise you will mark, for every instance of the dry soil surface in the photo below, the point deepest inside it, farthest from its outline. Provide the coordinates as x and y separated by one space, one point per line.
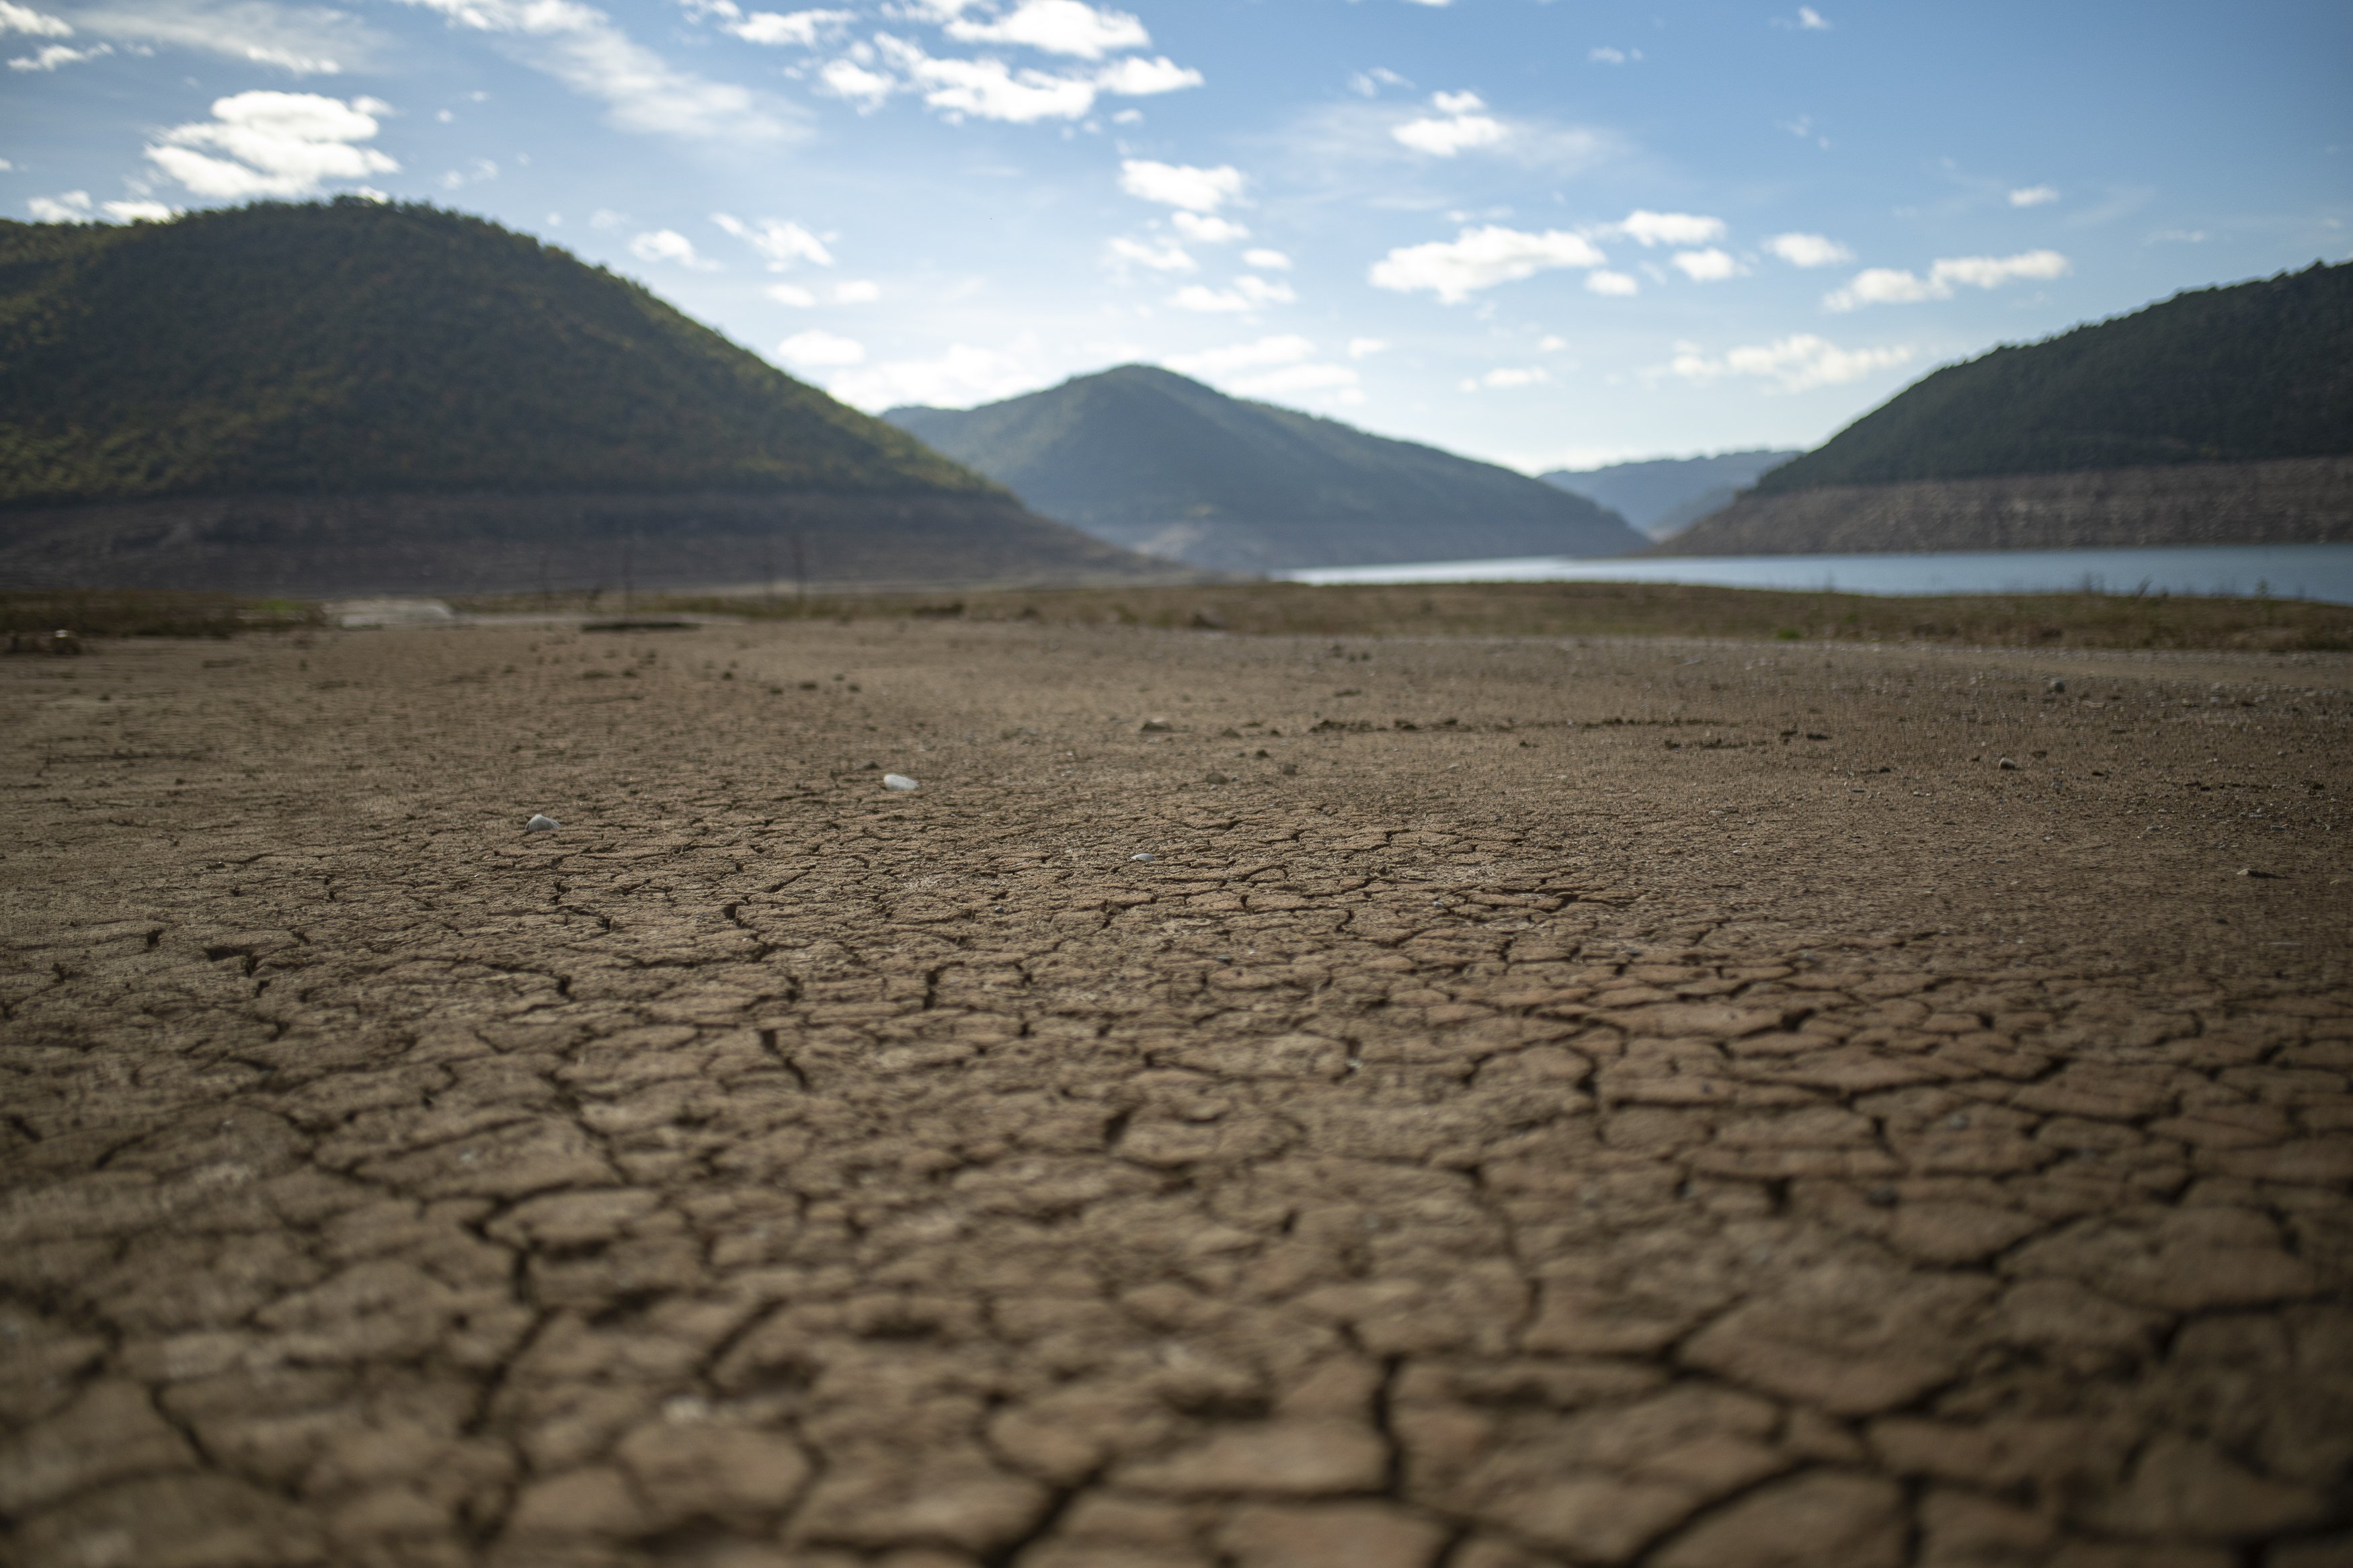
1675 1103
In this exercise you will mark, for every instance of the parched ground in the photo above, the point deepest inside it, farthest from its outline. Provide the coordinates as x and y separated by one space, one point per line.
1678 1104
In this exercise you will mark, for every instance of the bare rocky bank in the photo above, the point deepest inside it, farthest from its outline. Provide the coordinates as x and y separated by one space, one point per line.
2295 500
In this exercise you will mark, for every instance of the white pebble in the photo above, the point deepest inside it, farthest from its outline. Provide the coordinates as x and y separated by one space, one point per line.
539 824
1139 857
899 781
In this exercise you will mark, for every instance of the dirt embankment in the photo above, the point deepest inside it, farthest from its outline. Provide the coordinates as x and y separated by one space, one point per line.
2299 500
489 544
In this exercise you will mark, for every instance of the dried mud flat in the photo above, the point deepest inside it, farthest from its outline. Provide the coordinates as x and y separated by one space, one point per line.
1677 1104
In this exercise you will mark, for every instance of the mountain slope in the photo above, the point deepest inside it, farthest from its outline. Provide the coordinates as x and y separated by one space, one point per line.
353 396
2243 373
1147 458
2218 416
1665 495
354 348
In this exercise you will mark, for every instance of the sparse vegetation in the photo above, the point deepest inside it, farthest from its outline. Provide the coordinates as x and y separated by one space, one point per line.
134 614
1604 609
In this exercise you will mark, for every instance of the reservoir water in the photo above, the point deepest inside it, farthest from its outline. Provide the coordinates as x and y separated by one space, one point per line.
2322 572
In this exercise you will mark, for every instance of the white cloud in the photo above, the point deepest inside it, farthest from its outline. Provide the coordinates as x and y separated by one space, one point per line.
781 243
1060 27
50 56
1273 351
1606 56
848 79
1364 348
1551 344
1798 364
15 19
1480 258
1180 185
1615 283
2033 195
790 294
275 144
669 245
805 29
1808 249
1892 285
75 207
822 350
1204 229
67 206
990 89
1463 127
581 47
1709 266
1267 260
1247 293
1649 229
1291 381
1368 83
1127 252
1504 377
1136 77
856 291
1811 20
963 376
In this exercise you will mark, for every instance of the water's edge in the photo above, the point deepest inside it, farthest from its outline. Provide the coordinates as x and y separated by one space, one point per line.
2317 571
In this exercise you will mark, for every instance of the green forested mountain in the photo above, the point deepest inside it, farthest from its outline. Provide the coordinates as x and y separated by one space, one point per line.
1145 458
2249 372
354 348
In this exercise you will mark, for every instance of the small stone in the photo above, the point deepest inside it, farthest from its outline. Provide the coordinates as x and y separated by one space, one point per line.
1881 1197
2007 765
2055 687
1217 779
899 782
1155 727
1139 854
1290 770
541 824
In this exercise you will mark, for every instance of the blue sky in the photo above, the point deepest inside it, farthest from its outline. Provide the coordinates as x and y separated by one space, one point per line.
1544 234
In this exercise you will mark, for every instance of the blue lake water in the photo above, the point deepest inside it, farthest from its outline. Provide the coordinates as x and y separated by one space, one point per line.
2323 572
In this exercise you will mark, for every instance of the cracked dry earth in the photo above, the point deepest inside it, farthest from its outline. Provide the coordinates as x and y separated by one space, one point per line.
1677 1104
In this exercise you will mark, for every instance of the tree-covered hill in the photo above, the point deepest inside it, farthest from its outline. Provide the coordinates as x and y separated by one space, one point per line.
1145 458
354 348
2249 372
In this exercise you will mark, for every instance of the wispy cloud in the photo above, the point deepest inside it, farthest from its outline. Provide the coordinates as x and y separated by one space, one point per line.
1808 249
1796 363
1186 186
1480 258
779 243
582 47
1892 285
1460 124
307 40
1058 27
2033 195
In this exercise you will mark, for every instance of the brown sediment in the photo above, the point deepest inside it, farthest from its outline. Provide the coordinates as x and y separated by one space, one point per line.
1675 1103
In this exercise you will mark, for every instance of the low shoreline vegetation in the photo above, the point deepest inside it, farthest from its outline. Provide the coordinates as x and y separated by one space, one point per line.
1297 609
146 613
1600 609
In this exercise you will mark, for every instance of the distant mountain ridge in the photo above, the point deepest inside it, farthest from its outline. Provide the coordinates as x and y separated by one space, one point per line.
1662 496
1147 458
2220 415
272 396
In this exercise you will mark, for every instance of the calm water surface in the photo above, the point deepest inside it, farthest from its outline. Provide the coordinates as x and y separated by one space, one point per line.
2323 572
